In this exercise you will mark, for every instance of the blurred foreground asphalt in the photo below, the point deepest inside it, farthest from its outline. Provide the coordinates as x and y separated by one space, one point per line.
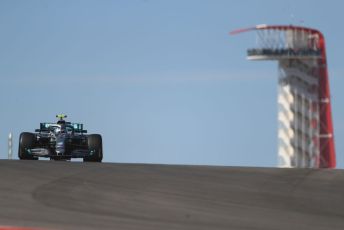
73 195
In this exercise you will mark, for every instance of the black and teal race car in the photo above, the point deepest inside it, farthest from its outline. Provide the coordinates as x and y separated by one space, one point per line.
60 141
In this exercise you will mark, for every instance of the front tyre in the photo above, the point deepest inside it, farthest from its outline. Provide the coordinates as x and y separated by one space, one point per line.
26 141
95 147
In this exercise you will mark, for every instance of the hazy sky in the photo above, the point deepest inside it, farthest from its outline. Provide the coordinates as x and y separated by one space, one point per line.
162 81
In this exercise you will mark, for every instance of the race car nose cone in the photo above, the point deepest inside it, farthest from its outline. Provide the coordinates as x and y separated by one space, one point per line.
60 147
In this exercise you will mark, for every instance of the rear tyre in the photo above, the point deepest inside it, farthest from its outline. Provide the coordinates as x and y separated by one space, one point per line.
95 146
26 141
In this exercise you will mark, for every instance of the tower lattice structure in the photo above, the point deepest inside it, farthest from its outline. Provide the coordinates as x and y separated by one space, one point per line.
305 129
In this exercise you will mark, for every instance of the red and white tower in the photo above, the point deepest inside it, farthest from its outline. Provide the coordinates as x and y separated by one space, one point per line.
305 130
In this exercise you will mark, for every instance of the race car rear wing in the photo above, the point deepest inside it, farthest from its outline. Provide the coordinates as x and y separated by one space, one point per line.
78 127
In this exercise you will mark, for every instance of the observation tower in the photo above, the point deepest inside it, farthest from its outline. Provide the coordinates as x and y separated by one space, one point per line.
305 130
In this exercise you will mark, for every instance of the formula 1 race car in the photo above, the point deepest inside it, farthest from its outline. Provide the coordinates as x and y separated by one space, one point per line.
60 141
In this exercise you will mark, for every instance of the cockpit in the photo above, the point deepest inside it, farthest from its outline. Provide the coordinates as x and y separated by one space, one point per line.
57 129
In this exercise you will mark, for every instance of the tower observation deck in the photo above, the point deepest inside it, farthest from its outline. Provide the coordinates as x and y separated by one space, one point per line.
305 129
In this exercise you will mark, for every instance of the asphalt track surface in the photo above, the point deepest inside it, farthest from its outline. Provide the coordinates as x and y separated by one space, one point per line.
71 195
